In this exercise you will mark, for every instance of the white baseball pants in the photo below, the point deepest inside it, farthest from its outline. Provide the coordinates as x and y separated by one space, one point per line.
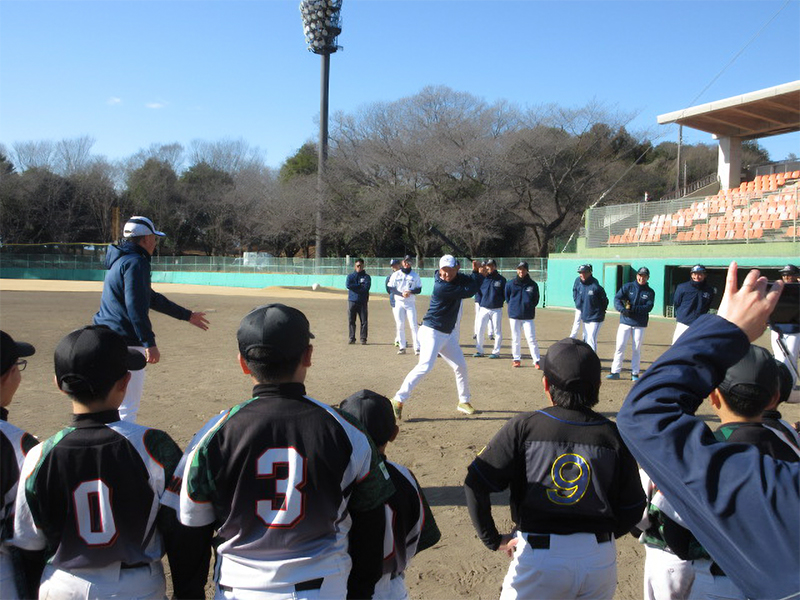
433 343
478 321
576 324
493 316
334 587
666 577
792 341
405 310
679 329
528 328
712 587
391 589
623 333
144 583
575 566
590 331
129 408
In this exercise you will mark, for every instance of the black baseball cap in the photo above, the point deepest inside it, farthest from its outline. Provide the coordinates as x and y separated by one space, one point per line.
755 377
490 262
408 257
643 271
93 357
281 331
11 352
394 261
571 365
375 413
790 270
698 269
523 265
584 268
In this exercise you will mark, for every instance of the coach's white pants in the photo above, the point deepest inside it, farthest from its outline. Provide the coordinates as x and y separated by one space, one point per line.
431 344
478 321
391 589
405 310
623 333
133 396
493 316
528 328
679 329
712 587
576 324
590 331
144 583
575 566
792 342
397 324
666 577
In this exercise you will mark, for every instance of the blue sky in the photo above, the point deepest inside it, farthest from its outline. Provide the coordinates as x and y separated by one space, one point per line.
134 73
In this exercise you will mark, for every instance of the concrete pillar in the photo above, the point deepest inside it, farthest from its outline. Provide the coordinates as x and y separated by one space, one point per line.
729 163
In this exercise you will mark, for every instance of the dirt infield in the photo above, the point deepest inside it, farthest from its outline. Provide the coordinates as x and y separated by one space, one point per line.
198 376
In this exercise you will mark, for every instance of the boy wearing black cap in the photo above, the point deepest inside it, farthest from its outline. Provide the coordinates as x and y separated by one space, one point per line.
634 301
410 526
692 299
574 486
281 477
14 446
90 497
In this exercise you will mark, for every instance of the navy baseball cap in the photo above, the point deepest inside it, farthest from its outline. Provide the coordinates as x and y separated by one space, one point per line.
523 265
11 352
394 261
408 257
643 271
790 270
585 268
755 377
571 365
491 262
90 358
375 413
282 332
698 269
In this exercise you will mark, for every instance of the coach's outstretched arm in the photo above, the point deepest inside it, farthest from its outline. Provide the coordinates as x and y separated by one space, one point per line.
743 507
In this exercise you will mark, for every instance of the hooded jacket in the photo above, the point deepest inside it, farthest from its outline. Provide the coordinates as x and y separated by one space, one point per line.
522 297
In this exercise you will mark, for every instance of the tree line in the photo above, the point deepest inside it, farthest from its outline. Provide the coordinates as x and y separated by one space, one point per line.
498 179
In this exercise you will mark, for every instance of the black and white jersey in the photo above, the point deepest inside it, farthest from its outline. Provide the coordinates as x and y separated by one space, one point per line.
90 494
276 476
410 526
568 471
14 445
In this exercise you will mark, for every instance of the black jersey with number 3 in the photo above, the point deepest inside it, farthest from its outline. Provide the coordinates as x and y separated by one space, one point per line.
568 471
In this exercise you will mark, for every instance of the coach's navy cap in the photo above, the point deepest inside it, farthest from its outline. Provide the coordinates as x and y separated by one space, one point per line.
585 268
375 413
571 365
490 262
408 258
90 358
279 331
137 226
643 271
11 352
790 270
755 377
523 265
394 261
698 269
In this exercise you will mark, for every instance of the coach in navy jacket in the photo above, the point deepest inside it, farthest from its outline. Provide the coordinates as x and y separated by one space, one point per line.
522 298
692 299
743 507
592 302
358 283
634 301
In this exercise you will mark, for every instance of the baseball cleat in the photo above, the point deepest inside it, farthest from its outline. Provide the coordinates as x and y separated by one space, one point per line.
491 337
351 342
466 408
634 377
493 355
401 351
477 355
612 376
397 409
363 342
516 363
416 351
537 365
396 344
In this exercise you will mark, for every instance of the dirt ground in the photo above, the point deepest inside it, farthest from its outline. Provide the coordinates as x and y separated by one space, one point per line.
198 376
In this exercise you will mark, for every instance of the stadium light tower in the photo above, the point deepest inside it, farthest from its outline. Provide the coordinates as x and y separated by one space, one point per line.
322 26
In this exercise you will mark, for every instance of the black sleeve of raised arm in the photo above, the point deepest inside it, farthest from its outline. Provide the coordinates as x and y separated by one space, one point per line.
480 511
366 550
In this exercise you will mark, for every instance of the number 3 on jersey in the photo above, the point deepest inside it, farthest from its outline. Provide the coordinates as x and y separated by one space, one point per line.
286 507
571 475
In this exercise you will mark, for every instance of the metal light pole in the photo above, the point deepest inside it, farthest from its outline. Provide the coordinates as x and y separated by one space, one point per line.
322 26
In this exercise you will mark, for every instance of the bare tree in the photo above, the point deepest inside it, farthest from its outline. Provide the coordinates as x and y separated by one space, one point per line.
73 155
34 155
226 155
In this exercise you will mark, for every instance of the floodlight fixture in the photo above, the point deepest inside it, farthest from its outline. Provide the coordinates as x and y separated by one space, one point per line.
322 24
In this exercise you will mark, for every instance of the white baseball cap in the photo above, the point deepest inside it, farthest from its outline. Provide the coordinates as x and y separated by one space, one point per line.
137 226
448 260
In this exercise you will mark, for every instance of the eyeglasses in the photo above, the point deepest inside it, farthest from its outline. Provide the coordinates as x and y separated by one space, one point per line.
21 364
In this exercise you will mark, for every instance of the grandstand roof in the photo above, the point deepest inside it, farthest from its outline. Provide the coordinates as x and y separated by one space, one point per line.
767 112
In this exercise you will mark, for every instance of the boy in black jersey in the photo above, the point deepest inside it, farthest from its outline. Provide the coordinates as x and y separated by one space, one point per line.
90 495
574 486
410 526
14 445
